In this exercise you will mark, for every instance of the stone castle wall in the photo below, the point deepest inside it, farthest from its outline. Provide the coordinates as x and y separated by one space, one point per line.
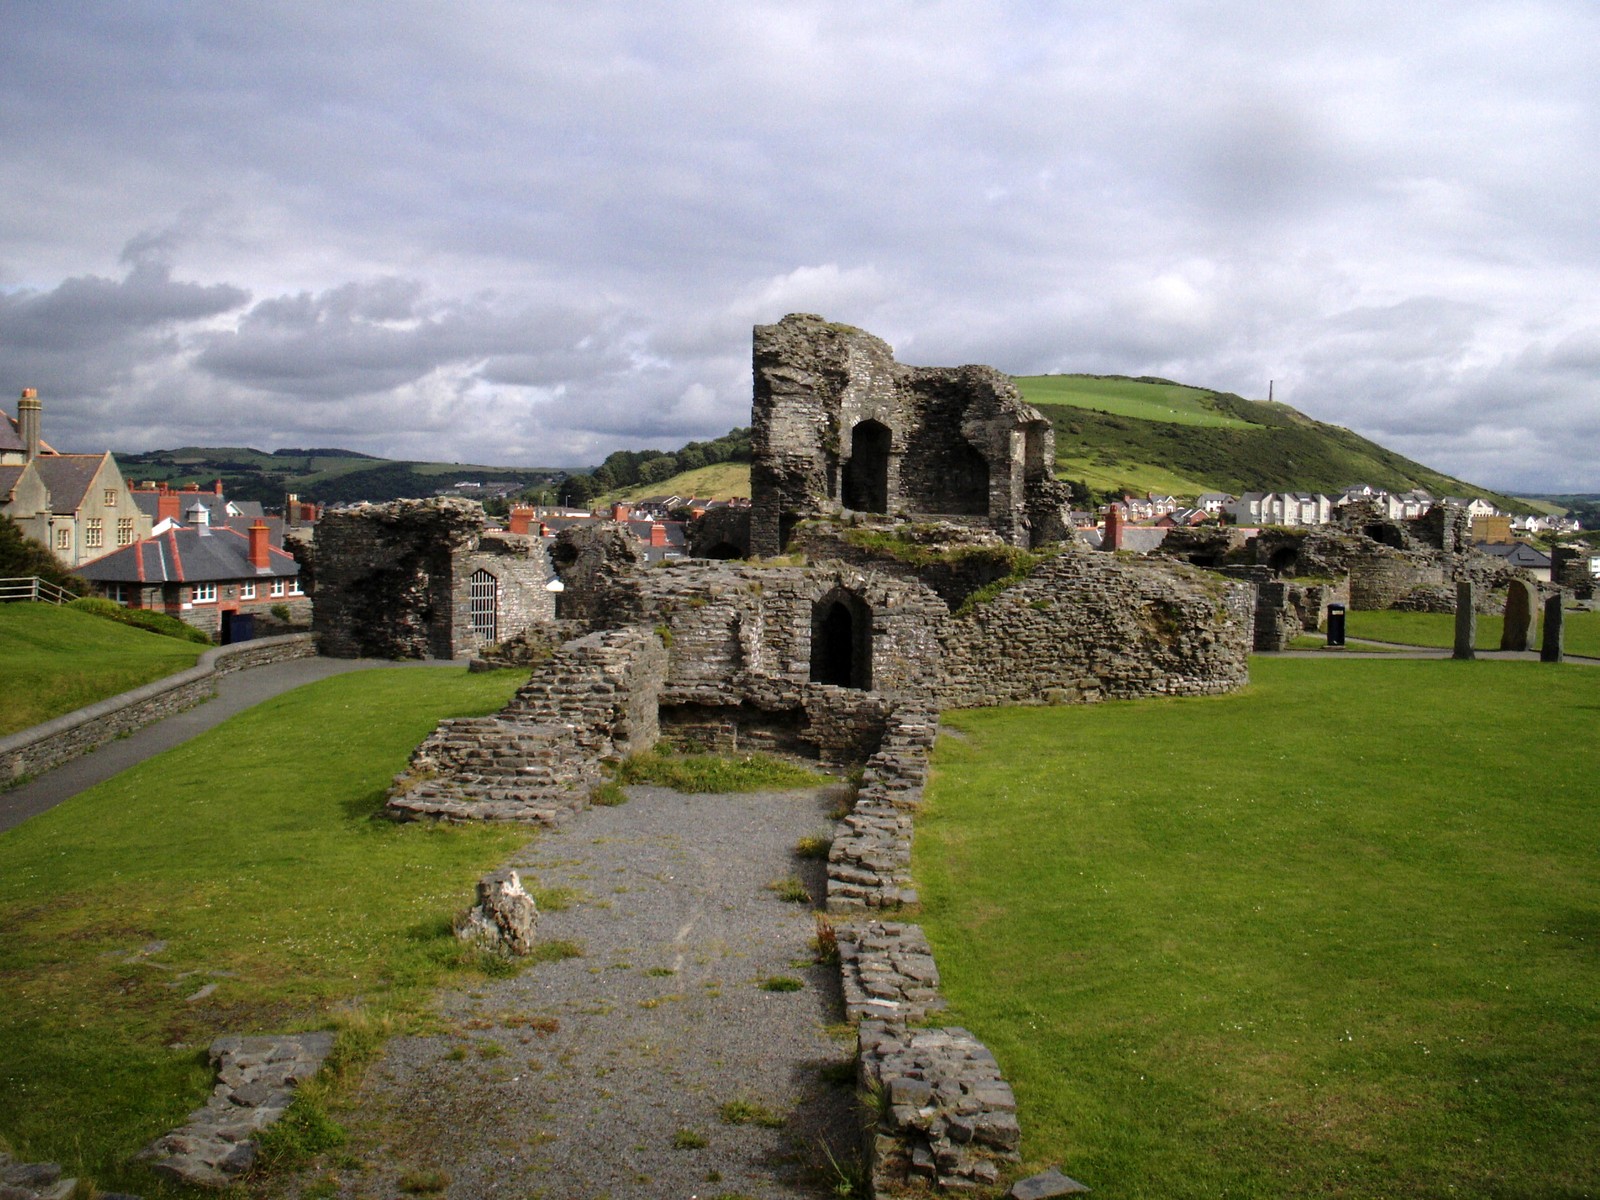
837 425
395 580
1087 626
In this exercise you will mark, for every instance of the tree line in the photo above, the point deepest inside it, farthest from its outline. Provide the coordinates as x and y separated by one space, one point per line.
627 468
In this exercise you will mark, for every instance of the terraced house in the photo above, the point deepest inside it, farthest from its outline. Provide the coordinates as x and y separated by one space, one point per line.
76 504
219 580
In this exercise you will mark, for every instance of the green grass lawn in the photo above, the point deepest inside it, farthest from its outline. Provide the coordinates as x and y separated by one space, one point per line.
1335 935
1581 634
58 660
1171 403
246 858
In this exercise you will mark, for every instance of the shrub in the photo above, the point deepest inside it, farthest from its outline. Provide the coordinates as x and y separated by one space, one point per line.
140 618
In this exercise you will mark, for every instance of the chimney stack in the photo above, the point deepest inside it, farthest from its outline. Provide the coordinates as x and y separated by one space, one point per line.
658 534
260 557
1112 539
521 518
28 418
621 511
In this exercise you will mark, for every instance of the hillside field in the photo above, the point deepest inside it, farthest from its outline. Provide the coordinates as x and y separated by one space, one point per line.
1143 435
58 660
1330 936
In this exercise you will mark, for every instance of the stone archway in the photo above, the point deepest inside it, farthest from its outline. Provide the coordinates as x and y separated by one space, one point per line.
841 640
866 474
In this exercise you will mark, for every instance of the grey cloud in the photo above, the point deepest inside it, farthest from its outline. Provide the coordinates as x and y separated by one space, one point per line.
510 229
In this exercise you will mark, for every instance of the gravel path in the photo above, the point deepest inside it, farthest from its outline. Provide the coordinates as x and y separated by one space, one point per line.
605 1075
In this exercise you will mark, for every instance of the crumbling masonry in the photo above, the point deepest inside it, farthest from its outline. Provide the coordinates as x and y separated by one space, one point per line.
846 659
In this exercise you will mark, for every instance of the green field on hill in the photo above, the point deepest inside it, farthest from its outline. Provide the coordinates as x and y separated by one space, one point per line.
719 481
58 660
246 858
1144 399
1332 936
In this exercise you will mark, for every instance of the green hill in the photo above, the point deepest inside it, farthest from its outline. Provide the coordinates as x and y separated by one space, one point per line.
322 475
1142 435
1113 433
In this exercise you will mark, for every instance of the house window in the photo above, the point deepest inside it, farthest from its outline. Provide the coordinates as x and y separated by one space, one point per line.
204 593
116 591
277 587
95 536
111 497
294 588
124 531
247 591
64 538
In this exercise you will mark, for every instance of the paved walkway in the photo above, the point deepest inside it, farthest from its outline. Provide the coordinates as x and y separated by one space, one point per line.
236 691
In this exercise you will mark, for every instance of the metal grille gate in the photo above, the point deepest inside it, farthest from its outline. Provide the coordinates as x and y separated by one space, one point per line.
485 606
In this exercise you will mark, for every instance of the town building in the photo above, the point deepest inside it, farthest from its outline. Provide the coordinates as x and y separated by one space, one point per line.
222 581
76 504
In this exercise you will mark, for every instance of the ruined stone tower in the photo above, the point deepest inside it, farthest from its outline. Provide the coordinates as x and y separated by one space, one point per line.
838 425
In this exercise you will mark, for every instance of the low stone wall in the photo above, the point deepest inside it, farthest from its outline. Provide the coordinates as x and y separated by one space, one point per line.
256 1081
943 1115
869 864
34 751
539 757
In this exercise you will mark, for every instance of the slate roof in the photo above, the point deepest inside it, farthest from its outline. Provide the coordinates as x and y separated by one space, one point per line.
11 437
188 556
217 506
68 476
1517 554
8 479
1140 539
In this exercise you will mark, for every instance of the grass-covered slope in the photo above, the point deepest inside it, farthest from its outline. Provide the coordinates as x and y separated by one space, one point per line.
1325 937
246 859
1154 435
57 660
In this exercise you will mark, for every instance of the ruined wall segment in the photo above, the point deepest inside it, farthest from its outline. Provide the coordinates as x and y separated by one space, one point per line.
397 580
1085 627
837 425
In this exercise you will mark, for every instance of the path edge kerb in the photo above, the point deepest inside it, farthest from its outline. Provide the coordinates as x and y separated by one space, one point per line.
43 747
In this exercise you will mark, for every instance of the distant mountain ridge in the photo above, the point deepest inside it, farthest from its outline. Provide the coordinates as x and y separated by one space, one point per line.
1113 434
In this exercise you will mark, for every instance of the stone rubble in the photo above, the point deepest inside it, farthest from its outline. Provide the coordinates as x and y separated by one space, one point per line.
256 1078
945 1114
889 973
505 920
33 1181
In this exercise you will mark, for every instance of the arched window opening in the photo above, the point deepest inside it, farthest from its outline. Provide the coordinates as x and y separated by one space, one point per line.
841 641
866 475
724 550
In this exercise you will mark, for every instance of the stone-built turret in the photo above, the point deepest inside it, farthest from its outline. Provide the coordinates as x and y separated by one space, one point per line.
838 425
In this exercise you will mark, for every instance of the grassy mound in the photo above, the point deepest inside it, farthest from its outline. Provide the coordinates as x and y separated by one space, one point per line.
1334 935
60 659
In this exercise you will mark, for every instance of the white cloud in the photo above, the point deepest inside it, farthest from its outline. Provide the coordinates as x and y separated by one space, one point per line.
506 229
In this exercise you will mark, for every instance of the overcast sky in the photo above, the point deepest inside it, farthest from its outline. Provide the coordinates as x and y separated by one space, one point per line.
531 233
